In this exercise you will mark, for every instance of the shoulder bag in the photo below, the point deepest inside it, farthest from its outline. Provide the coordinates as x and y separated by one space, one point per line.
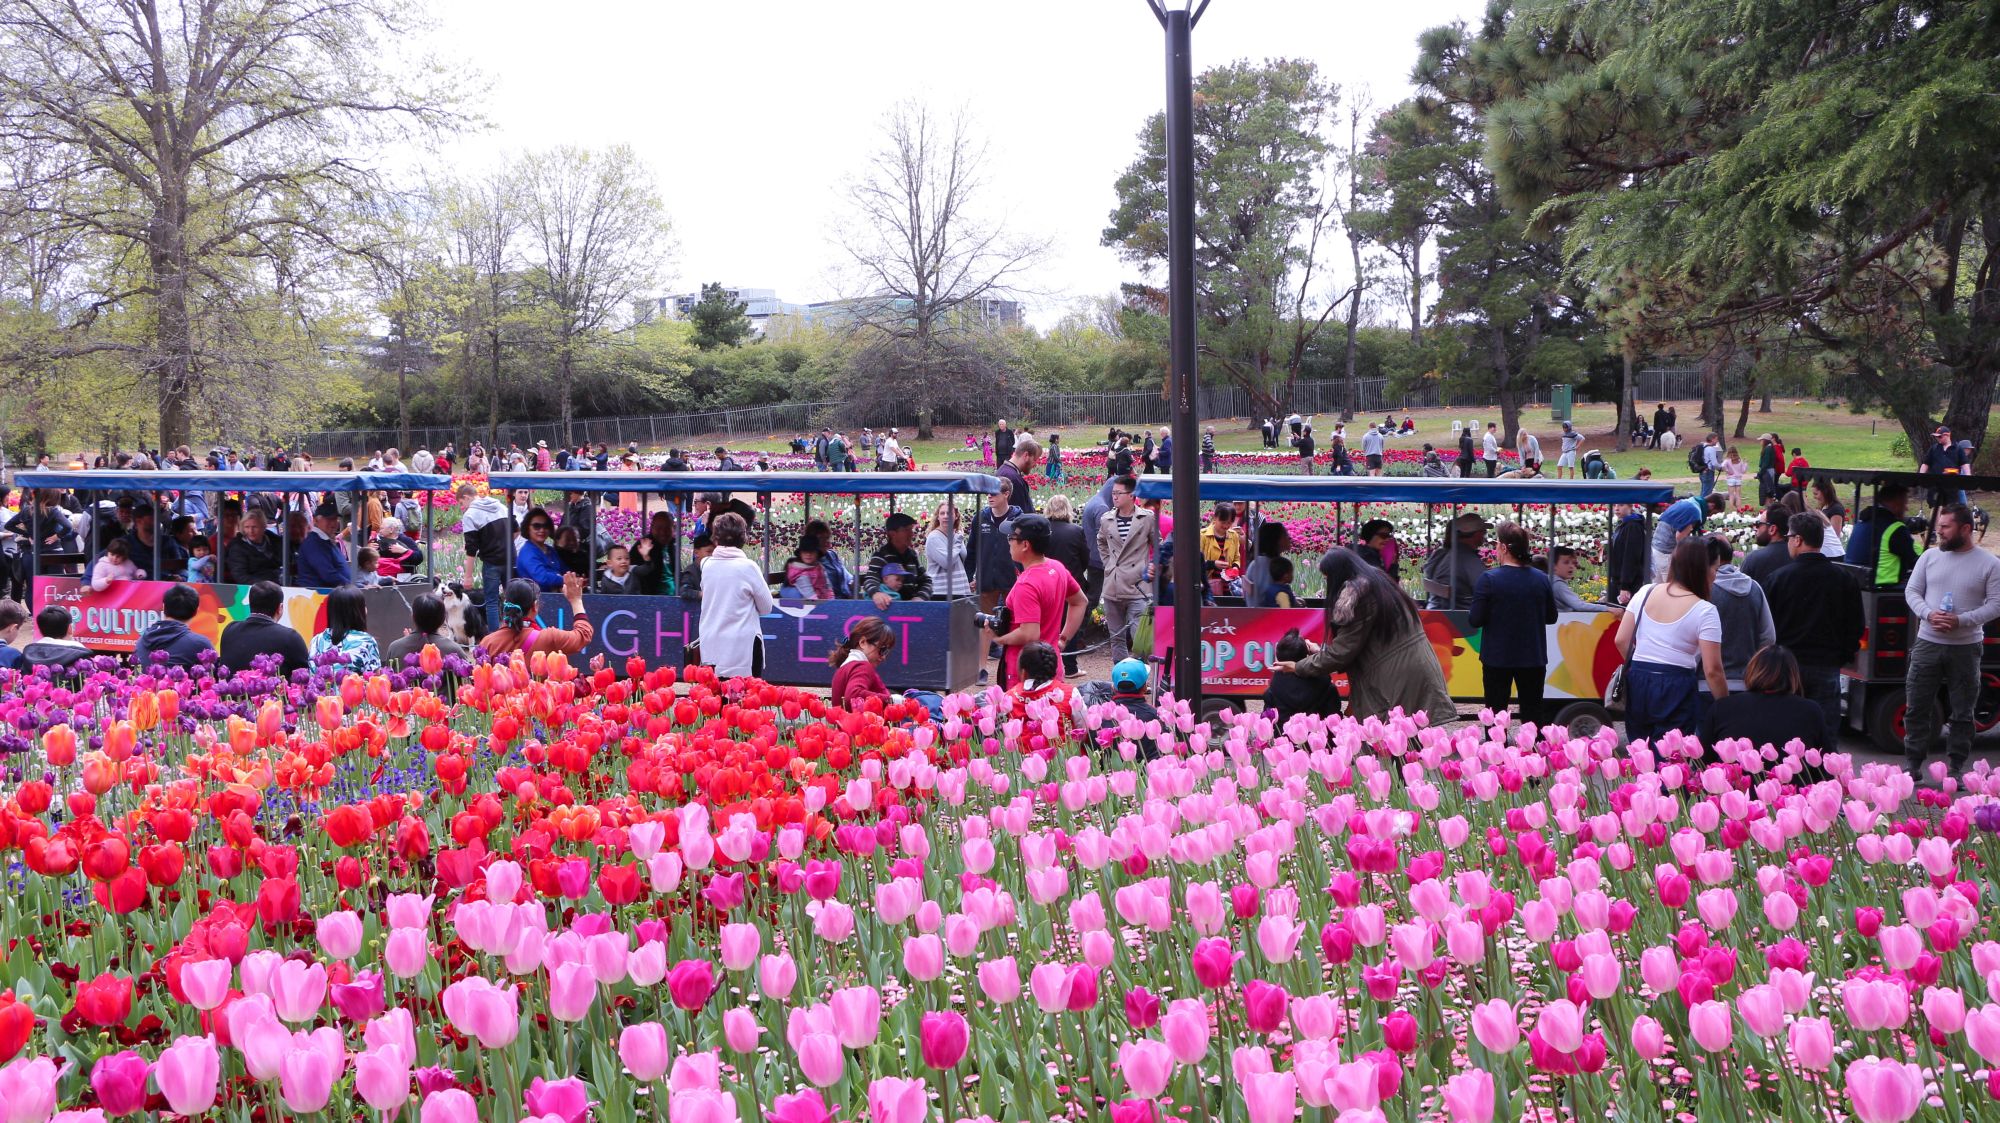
1614 691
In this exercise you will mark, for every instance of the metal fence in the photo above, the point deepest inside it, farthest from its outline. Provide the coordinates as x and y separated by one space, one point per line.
1045 410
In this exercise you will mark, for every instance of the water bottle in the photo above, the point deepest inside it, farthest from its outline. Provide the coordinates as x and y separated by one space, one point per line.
1946 605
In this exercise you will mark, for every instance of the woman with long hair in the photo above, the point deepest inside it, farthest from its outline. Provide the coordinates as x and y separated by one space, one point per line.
1831 509
1375 635
944 554
1274 541
735 595
535 556
1672 642
1771 710
347 632
854 659
520 626
1512 606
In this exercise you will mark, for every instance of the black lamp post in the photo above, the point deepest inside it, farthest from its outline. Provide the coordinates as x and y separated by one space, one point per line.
1178 22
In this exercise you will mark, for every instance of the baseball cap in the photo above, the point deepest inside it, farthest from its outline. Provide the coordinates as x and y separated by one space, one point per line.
326 511
895 569
1129 674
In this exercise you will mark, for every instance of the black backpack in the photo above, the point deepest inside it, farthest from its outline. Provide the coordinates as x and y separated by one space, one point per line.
1698 458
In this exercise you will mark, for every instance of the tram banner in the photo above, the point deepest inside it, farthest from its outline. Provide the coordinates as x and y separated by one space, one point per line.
1238 646
113 620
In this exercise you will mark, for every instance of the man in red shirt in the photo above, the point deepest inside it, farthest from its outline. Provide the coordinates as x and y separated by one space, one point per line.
1046 602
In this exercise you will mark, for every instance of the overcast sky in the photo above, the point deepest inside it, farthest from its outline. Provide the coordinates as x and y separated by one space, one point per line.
753 115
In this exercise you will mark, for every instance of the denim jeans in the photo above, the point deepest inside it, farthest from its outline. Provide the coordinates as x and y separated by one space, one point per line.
1707 482
1955 668
489 588
1822 688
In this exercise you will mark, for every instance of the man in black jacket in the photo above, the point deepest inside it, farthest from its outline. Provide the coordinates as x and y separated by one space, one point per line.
54 648
897 531
1628 563
488 525
261 633
169 640
1774 548
1816 607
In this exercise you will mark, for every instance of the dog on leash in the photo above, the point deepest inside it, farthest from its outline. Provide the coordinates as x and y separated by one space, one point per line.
464 612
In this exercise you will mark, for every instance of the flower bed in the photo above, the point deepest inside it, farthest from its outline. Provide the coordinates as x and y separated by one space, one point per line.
563 895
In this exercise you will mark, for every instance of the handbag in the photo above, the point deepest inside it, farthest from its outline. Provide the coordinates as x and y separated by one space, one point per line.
1615 690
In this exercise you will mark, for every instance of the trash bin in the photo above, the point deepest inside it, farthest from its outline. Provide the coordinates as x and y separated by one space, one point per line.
1561 402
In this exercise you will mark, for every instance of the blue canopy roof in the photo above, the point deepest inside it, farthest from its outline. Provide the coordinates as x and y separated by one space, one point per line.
1410 489
234 481
808 483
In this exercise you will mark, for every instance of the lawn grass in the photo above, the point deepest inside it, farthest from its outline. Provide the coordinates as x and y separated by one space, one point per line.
1831 436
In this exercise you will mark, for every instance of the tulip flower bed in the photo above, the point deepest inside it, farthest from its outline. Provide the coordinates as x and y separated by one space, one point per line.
518 891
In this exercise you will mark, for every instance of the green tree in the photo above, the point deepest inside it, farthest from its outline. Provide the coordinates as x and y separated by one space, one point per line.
718 319
1262 212
212 148
1519 318
1784 167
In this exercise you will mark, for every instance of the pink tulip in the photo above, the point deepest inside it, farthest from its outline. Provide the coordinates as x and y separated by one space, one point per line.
382 1077
1050 983
567 1098
479 1009
740 1029
1873 1004
821 1059
408 910
407 952
298 990
1278 938
740 944
450 1105
395 1028
339 934
645 1050
1944 1009
857 1015
1185 1028
1000 980
1354 1086
1369 925
698 1106
1982 1033
1494 1025
1709 1023
1601 976
1314 1018
1811 1043
1763 1010
1884 1091
893 1099
1147 1066
961 935
1271 1097
1648 1039
306 1075
923 957
696 1071
206 983
187 1074
1660 969
1468 1097
1415 944
1900 946
1561 1026
777 975
27 1090
257 1033
572 992
804 1106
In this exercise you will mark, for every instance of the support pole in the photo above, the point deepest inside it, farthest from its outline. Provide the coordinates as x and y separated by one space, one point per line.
1181 348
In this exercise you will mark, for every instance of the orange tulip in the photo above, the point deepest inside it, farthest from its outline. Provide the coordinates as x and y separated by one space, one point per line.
429 661
270 723
59 744
328 710
99 773
378 691
119 739
145 710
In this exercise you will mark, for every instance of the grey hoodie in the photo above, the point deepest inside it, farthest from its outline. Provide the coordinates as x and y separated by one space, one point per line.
1746 621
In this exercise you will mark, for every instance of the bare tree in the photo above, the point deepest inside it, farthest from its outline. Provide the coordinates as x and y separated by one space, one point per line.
479 222
214 139
928 258
598 230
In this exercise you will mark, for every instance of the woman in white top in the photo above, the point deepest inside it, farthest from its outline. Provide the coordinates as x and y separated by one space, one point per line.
1672 643
944 554
735 595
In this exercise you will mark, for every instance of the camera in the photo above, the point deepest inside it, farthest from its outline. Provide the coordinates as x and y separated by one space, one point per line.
1000 621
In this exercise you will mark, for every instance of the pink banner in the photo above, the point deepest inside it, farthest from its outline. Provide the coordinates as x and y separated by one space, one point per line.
114 619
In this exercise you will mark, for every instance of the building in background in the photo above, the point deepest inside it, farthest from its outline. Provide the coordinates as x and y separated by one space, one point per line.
759 306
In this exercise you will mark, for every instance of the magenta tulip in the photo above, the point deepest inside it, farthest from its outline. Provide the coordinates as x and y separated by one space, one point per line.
119 1079
691 982
943 1037
1213 962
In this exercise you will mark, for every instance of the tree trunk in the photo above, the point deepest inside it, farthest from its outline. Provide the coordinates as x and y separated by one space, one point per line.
1503 385
493 398
1417 294
172 339
1743 414
1712 365
1349 397
1766 406
565 393
402 385
1626 407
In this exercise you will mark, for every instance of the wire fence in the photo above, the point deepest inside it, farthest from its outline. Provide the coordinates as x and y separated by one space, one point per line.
1045 410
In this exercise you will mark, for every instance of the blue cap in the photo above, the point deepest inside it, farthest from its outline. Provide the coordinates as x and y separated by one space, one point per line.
1129 674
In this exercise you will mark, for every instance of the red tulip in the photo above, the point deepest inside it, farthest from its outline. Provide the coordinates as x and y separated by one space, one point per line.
277 902
620 885
123 893
163 862
348 825
105 1000
17 1024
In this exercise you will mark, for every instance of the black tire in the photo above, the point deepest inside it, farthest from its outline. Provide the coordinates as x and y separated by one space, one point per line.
1885 719
1585 718
1212 708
